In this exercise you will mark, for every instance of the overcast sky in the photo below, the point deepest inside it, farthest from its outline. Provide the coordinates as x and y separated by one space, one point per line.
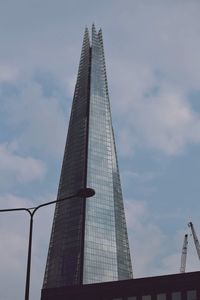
152 50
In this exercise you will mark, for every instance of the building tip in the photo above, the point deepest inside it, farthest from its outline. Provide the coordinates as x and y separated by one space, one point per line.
93 27
100 32
86 29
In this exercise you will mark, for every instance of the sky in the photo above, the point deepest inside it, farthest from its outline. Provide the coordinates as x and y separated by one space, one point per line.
152 50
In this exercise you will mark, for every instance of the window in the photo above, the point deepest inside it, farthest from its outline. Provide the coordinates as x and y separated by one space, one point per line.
192 295
146 297
161 297
176 296
131 298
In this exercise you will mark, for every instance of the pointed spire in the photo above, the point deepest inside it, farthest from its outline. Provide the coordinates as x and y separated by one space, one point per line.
100 35
85 45
94 32
86 37
86 161
93 28
100 32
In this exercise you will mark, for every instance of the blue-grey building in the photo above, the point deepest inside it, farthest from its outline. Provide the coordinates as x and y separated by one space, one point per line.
89 255
89 242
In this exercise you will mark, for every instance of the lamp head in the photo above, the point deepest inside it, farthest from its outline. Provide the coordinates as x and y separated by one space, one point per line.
86 192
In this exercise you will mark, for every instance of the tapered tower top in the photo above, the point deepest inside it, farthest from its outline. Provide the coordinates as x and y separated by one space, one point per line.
89 240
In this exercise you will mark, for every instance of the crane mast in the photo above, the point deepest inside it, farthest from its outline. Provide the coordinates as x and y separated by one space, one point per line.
184 254
196 241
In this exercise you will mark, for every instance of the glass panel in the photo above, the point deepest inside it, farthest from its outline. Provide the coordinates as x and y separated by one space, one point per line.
146 297
131 298
161 297
106 251
176 296
192 295
100 254
63 262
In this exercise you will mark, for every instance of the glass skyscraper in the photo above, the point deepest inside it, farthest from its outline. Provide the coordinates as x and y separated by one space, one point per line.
89 241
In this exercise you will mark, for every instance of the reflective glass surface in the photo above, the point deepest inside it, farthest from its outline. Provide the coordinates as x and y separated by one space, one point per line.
64 256
106 245
93 235
100 259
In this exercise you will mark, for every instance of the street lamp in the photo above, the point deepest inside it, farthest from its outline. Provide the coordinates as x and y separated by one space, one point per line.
82 193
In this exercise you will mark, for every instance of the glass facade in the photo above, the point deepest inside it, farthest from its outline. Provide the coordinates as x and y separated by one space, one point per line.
64 256
100 253
89 240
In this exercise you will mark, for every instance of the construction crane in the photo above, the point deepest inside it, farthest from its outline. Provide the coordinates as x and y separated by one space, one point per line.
184 254
196 241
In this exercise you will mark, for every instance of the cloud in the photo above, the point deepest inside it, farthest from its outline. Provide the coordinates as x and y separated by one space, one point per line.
140 59
172 262
163 36
126 144
158 117
166 122
8 73
154 252
14 230
153 71
13 247
13 255
152 55
145 238
19 168
141 177
37 120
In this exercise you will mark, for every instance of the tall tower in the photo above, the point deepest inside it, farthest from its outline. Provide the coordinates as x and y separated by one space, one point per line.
89 240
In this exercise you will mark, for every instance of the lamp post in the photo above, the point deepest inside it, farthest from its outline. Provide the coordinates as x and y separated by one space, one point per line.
82 193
